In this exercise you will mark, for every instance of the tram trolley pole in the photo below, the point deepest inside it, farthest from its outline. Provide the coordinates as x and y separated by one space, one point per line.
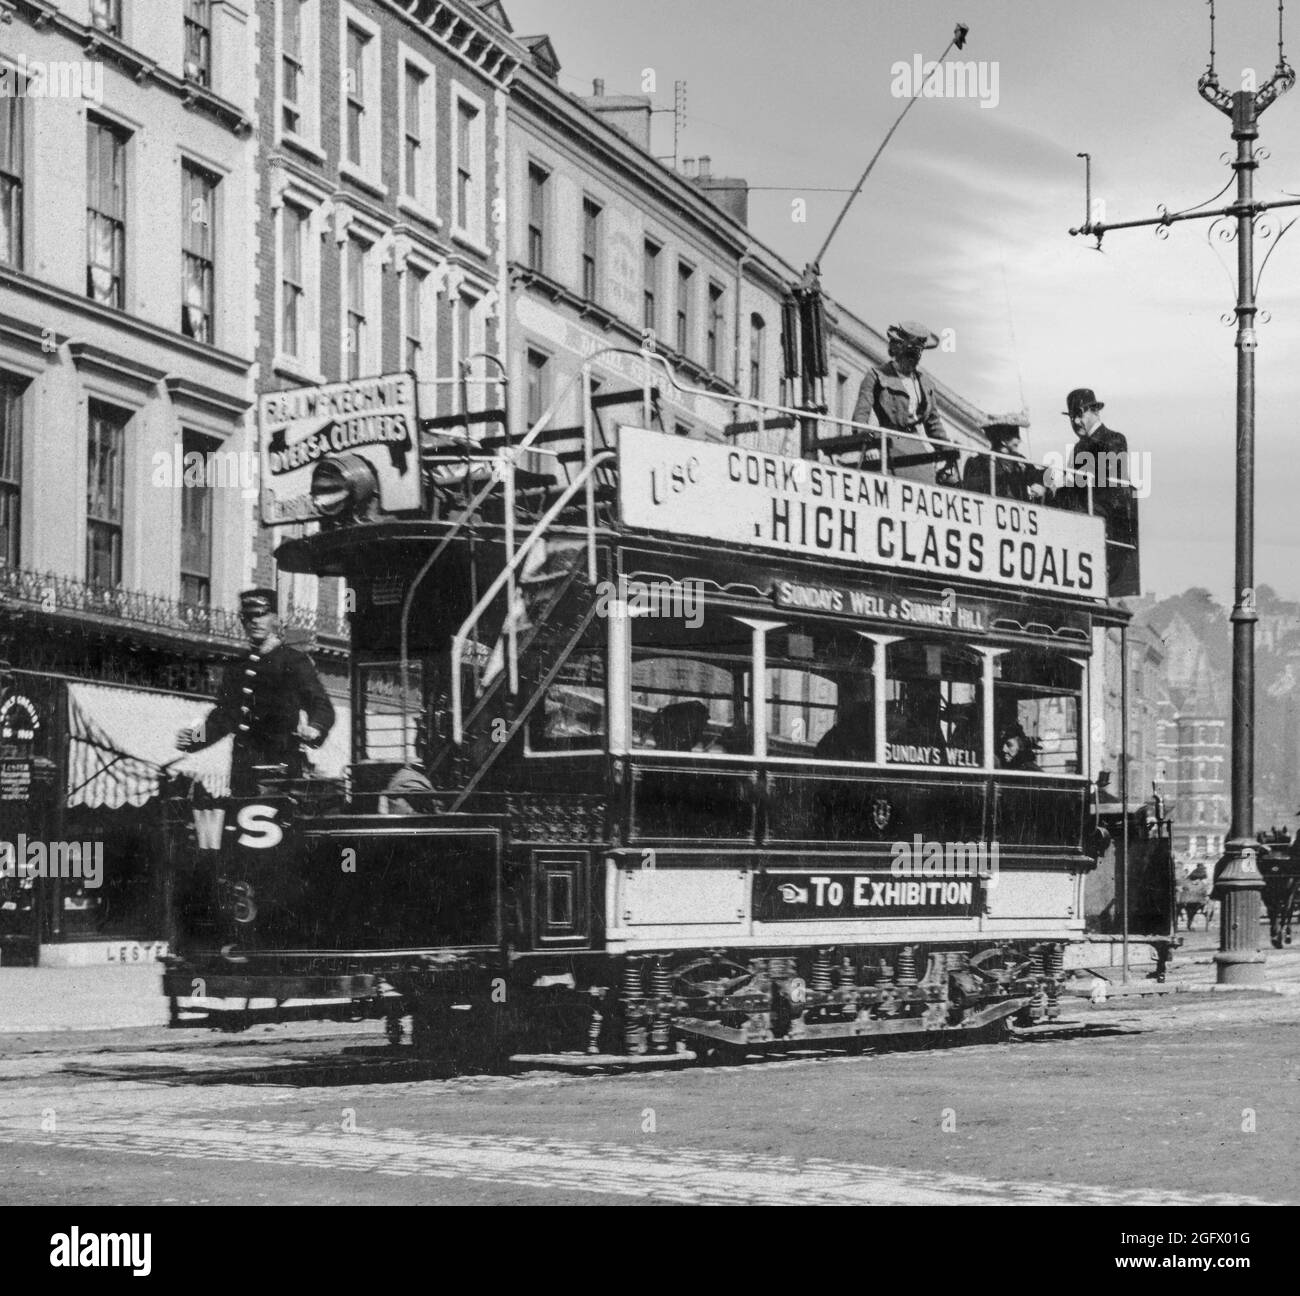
1238 883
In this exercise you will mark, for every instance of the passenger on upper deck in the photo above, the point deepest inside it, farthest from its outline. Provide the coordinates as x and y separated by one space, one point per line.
1100 455
1019 481
898 395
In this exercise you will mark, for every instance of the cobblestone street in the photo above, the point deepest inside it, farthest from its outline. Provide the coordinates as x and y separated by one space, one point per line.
1176 1099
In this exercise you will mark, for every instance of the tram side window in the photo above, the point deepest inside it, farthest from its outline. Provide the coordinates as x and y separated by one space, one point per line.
932 705
691 686
387 730
1040 694
819 695
571 717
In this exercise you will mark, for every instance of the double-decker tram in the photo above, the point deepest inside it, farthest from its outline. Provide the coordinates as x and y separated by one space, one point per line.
663 742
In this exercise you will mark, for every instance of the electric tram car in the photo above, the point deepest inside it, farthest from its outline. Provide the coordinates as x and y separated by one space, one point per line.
660 742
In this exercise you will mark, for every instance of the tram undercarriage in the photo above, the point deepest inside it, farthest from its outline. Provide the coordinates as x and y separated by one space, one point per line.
702 1002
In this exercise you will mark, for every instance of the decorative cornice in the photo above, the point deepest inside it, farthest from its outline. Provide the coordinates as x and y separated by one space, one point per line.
208 400
123 322
494 55
86 355
39 339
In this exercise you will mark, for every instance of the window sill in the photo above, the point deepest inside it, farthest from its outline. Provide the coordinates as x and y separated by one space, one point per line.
412 207
362 180
300 145
467 240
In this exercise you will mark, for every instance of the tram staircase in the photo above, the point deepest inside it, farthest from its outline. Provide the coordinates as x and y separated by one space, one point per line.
526 626
553 607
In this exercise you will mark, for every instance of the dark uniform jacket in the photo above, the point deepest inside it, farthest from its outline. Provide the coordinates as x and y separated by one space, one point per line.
1089 456
1111 501
259 702
1116 505
1013 479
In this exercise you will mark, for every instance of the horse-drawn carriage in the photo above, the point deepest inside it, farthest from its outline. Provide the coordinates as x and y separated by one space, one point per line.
1280 867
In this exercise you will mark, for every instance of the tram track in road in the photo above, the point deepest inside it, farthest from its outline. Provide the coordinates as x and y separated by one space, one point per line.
383 1064
1089 1118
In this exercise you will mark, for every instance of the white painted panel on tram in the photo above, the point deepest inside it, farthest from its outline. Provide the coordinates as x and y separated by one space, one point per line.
657 897
1032 895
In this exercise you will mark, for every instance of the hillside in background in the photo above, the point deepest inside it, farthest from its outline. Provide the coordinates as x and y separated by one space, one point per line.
1277 683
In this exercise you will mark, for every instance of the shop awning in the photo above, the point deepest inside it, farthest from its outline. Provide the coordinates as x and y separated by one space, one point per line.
121 741
332 758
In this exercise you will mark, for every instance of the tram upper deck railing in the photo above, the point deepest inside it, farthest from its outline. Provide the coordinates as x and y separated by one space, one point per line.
882 452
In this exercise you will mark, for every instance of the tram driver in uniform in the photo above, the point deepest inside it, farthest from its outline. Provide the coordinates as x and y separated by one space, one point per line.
898 395
273 702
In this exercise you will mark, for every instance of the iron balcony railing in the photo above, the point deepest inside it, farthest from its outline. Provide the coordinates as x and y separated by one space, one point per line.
60 593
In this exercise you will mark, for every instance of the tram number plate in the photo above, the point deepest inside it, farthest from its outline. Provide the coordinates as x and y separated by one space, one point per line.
793 897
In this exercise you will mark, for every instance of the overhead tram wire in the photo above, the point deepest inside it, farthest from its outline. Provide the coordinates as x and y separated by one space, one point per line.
803 329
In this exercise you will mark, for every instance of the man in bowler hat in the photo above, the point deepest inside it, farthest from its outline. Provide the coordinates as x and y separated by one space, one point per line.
898 395
263 700
1100 453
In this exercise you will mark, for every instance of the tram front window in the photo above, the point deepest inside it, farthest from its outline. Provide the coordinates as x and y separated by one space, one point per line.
690 685
819 695
932 713
571 716
1037 705
390 730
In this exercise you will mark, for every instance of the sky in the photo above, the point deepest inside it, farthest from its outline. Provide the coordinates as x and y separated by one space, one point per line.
964 222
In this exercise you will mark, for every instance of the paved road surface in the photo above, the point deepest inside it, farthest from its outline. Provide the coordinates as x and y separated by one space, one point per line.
1192 1099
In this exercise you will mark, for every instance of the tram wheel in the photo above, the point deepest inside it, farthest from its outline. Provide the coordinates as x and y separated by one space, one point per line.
1000 961
687 979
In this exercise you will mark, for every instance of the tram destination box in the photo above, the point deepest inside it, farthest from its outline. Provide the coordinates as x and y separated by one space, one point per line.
746 497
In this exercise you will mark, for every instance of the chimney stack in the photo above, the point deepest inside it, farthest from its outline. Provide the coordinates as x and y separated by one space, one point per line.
688 167
627 113
705 163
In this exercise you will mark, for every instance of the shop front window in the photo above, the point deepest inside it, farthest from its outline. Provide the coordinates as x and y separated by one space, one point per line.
1037 709
932 705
